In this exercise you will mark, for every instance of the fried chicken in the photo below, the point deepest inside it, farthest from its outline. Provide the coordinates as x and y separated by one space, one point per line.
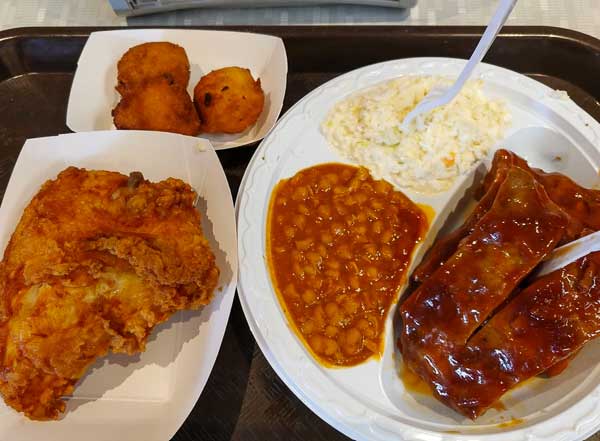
97 260
151 60
157 104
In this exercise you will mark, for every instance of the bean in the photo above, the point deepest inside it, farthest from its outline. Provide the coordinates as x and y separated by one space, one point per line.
324 184
310 270
300 193
361 198
382 187
331 347
376 204
334 264
387 252
309 296
304 244
332 177
371 346
377 227
371 250
327 238
317 343
353 336
361 238
290 291
308 327
354 283
352 342
372 273
315 283
354 184
319 317
371 214
299 221
338 229
362 323
368 325
353 267
289 232
324 211
361 216
350 306
350 201
340 190
360 229
367 188
314 258
297 256
332 274
298 272
303 209
344 252
387 236
397 197
341 210
322 250
331 309
331 331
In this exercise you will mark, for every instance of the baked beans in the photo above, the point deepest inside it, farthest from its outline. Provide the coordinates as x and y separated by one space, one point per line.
339 243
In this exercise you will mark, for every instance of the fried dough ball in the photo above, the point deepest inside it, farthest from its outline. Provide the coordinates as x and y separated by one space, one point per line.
228 100
150 60
157 104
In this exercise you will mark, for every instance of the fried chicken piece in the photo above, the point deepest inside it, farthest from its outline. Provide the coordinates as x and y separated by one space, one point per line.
228 100
97 260
151 60
157 104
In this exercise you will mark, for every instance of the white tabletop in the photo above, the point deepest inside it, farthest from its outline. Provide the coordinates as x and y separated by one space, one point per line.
580 15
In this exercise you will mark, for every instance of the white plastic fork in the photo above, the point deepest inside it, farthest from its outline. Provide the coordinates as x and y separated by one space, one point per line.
439 96
561 257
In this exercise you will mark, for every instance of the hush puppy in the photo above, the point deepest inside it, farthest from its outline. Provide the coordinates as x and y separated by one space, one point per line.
228 100
157 104
151 60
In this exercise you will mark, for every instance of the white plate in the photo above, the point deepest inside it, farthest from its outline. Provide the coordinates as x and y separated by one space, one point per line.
545 125
129 397
93 94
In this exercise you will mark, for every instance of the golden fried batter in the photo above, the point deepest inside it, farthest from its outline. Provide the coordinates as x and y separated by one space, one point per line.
151 60
96 261
157 104
228 100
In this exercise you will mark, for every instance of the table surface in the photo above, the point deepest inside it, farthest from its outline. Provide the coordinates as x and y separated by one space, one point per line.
579 15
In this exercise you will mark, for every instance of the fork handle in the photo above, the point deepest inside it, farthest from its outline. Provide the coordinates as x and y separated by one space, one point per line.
499 18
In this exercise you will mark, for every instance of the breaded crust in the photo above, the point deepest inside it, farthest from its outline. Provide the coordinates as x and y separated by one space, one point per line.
152 60
157 104
228 100
97 260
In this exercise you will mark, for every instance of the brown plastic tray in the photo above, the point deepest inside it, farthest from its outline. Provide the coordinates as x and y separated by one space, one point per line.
244 399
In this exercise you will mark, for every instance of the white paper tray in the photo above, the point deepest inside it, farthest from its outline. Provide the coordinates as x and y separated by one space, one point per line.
147 397
93 94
